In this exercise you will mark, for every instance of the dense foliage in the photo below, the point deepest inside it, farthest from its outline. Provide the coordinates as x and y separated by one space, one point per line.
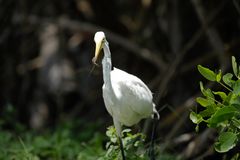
221 109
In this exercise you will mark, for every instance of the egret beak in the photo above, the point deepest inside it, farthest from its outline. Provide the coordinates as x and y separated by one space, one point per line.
97 52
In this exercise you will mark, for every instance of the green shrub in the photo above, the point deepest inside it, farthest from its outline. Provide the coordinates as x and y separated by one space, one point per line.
133 145
220 109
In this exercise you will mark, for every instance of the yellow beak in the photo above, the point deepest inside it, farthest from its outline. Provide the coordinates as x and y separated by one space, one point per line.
97 52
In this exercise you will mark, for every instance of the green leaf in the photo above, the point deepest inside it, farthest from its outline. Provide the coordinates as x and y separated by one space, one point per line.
234 66
227 79
208 112
238 72
206 92
221 94
219 76
236 87
229 98
221 115
203 101
197 128
201 86
196 118
233 99
236 122
237 106
127 130
207 73
226 141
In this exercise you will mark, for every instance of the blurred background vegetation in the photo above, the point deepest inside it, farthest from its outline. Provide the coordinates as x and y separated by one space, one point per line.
51 103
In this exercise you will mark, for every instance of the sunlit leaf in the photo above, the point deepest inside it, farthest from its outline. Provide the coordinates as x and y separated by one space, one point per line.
234 66
196 118
206 92
228 98
236 123
208 112
227 79
236 87
202 101
221 94
219 76
233 99
201 86
207 73
221 115
197 128
127 130
226 141
238 72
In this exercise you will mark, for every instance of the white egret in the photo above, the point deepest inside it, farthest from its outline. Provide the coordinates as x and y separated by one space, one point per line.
126 97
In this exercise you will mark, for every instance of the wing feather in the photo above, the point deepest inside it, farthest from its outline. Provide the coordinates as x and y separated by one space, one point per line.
134 98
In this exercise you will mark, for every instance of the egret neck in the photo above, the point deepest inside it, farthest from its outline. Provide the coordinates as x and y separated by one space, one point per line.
107 67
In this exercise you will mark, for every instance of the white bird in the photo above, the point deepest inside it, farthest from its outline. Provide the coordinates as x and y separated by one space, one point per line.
126 97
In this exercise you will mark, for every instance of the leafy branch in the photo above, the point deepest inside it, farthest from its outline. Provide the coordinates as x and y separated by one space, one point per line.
222 113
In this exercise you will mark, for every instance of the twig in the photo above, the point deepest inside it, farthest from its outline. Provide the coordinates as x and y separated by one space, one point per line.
170 72
176 127
117 39
205 154
172 117
175 37
198 144
208 56
78 26
168 75
193 63
236 6
213 36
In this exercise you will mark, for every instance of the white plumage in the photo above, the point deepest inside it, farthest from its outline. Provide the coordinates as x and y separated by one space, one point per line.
133 98
126 97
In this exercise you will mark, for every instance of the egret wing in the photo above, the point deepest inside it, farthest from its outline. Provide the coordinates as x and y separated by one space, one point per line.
135 99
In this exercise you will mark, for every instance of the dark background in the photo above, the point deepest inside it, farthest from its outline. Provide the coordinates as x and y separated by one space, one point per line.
46 49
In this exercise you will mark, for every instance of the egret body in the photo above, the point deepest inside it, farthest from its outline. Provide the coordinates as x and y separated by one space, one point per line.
126 97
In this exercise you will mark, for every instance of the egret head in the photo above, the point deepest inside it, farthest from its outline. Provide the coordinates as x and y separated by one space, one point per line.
99 39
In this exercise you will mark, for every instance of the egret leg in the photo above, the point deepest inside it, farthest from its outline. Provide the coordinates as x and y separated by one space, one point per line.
151 149
118 127
122 149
